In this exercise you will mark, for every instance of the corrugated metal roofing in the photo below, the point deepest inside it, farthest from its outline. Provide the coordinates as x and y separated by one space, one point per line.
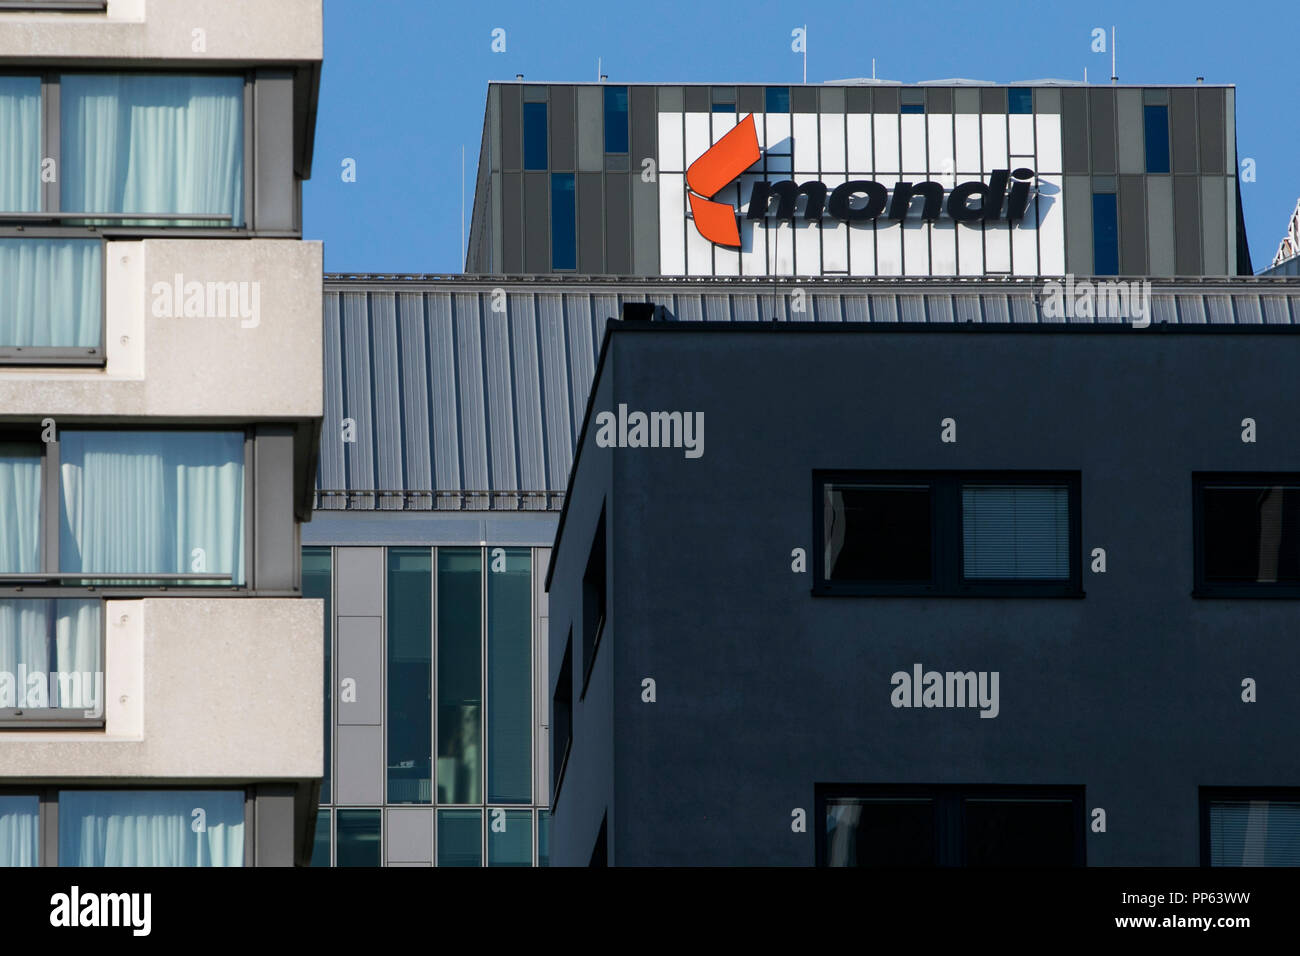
455 406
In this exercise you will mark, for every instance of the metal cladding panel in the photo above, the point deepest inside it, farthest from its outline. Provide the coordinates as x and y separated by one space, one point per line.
450 396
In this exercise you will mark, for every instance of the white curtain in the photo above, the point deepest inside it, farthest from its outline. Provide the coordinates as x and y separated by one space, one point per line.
153 143
20 507
50 291
50 654
19 816
151 828
164 502
20 143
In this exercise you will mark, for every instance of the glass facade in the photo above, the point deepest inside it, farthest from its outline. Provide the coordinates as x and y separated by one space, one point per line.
460 718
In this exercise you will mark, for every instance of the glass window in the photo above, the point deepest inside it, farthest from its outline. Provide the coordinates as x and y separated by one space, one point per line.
912 108
616 119
163 502
20 506
320 848
460 838
1015 832
1250 833
166 143
510 675
1105 235
1156 124
535 152
20 830
877 533
880 832
316 584
151 828
510 837
543 837
1015 532
1251 534
50 657
358 838
52 293
564 222
20 144
460 649
410 675
777 99
1020 99
724 107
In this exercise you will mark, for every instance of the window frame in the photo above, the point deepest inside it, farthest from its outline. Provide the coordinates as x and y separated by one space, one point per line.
54 6
59 718
1255 590
947 536
949 803
49 222
1207 795
48 818
47 581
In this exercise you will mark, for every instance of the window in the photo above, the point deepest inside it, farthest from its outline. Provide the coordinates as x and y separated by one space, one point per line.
564 227
153 143
1247 532
20 506
20 830
410 675
1105 235
21 145
151 827
912 108
1020 99
460 836
1155 120
460 661
53 295
1246 828
724 107
51 662
168 504
947 533
510 678
562 719
777 99
535 136
316 583
320 847
510 837
924 826
358 838
594 597
616 131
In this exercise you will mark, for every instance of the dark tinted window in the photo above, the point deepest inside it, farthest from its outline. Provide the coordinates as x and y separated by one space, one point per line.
777 99
1020 832
535 136
1156 121
358 838
1020 100
866 832
1105 235
564 228
877 533
1251 534
320 850
410 675
616 119
912 108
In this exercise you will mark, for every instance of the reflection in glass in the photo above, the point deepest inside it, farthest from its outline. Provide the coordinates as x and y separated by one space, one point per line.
510 837
510 697
151 828
1019 532
320 848
358 838
460 838
1254 833
460 649
880 832
410 675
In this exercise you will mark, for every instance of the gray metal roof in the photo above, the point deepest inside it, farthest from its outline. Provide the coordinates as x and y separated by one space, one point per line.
457 407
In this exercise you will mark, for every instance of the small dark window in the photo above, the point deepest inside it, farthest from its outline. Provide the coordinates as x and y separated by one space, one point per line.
724 107
1248 535
562 718
1020 99
912 108
593 602
947 533
984 826
564 222
1250 828
535 136
616 119
777 99
1156 123
1105 235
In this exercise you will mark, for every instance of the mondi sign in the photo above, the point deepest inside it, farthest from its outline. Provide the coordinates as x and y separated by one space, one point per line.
858 200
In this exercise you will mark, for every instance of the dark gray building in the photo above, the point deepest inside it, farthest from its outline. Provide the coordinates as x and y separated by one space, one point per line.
989 587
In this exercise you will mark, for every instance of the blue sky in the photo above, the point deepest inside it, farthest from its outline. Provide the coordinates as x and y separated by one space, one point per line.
404 84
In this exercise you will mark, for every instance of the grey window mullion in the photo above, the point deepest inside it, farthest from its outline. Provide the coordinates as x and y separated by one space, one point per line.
250 151
250 509
50 506
50 140
48 821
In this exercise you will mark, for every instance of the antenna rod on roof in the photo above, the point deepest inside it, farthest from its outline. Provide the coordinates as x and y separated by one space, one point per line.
873 67
462 207
805 53
1113 77
597 69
